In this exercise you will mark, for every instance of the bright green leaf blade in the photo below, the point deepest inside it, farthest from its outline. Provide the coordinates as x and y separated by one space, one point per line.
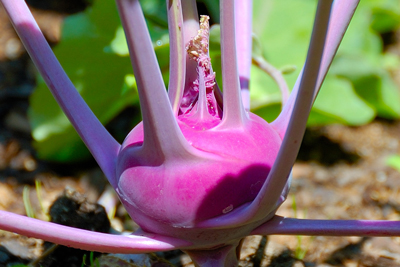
394 162
212 8
385 20
339 103
155 11
285 41
98 76
371 82
268 112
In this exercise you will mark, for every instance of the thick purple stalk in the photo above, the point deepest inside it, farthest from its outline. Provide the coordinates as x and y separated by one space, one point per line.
226 256
279 175
234 113
243 26
290 226
162 136
88 240
82 118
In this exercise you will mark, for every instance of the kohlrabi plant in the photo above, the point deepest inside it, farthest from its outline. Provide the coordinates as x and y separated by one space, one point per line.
200 172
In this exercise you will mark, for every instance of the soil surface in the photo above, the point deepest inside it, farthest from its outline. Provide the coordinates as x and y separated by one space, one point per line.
341 173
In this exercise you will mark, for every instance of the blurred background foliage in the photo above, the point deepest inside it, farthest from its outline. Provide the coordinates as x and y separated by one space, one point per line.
358 88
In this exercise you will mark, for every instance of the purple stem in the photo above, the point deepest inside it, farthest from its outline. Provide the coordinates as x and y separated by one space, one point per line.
234 114
290 226
243 26
101 144
342 13
226 256
87 240
269 198
162 135
177 65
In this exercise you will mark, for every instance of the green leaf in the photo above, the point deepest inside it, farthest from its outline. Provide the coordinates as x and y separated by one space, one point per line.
371 82
97 74
284 42
394 162
212 8
385 20
338 103
155 11
268 112
385 14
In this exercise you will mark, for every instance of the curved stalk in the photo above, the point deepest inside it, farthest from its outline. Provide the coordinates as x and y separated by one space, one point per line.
275 74
290 226
87 240
101 144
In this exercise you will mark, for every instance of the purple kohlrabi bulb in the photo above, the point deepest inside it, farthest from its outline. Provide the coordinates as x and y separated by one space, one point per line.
222 169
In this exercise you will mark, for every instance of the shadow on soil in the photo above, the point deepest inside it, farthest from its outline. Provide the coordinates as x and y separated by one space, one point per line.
319 148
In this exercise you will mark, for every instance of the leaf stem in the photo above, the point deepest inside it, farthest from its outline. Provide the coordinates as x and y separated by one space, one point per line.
275 74
291 226
234 114
87 240
270 195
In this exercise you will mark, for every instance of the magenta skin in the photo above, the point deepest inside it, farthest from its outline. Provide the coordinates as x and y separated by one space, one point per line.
183 192
218 162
